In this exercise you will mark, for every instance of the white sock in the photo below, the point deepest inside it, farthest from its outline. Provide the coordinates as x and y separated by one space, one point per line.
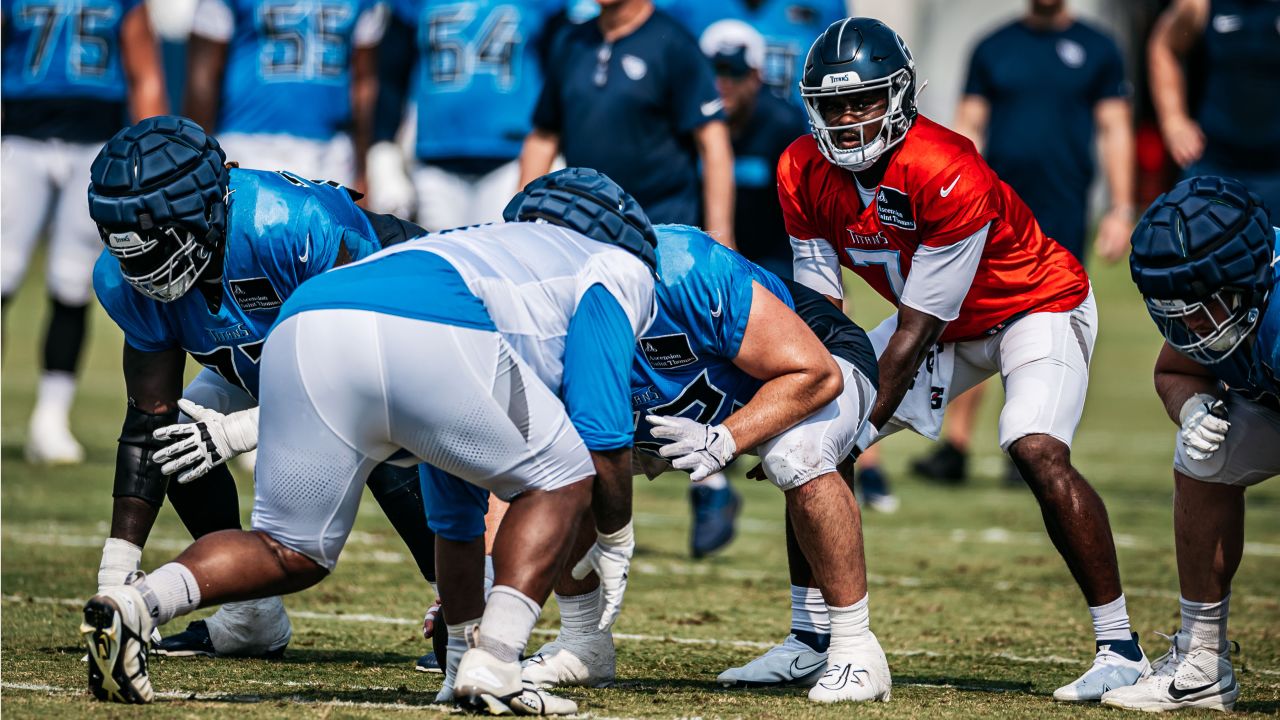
509 617
119 558
809 610
170 591
488 576
715 481
56 392
1111 621
1206 623
849 624
580 614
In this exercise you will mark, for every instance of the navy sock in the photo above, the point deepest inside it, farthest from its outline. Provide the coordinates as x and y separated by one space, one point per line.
819 642
1127 649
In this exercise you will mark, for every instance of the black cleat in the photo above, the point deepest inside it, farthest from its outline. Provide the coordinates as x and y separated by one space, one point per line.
947 464
195 642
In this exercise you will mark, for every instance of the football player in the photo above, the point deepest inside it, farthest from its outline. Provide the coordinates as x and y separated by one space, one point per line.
521 360
1203 258
732 366
73 75
913 209
199 260
281 82
473 71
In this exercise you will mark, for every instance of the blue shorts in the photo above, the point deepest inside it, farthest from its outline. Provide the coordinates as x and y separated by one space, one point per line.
455 508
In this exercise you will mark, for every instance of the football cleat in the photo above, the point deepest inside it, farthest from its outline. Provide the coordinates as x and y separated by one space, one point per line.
50 442
946 464
428 663
589 661
1184 677
252 628
856 675
715 513
115 629
486 684
1109 671
874 493
791 663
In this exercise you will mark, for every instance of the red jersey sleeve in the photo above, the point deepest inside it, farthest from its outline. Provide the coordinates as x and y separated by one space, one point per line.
793 192
957 202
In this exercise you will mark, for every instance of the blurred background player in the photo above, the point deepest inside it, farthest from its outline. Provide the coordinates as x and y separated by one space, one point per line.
1046 74
788 27
287 84
761 126
1203 259
1236 132
472 72
630 95
74 74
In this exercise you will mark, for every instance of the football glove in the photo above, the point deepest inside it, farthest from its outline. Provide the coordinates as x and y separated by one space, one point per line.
1204 425
198 447
695 448
610 558
390 189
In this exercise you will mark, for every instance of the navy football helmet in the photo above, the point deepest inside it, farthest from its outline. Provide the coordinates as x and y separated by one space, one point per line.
859 61
1202 256
588 202
157 192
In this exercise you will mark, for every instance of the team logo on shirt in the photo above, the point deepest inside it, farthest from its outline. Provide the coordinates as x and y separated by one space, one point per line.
255 294
1071 53
858 238
634 67
644 397
229 335
893 207
665 352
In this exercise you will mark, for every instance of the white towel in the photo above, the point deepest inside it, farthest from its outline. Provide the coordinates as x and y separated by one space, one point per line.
926 400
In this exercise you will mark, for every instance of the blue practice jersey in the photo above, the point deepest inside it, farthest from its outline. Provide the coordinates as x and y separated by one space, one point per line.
62 73
684 362
1252 371
288 66
281 230
477 74
789 28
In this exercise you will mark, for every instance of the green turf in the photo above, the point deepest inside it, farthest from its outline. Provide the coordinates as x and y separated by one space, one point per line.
977 613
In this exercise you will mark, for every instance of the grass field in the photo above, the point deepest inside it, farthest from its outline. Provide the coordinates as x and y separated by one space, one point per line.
975 609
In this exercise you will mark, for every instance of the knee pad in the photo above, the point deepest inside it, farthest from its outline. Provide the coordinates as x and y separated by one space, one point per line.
137 474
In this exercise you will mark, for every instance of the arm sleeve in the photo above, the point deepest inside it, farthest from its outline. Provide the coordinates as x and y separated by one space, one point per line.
816 265
396 56
370 26
940 276
1111 82
815 261
214 20
976 81
597 370
695 100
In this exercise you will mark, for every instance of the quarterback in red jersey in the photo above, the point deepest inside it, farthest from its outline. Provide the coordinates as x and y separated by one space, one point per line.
913 209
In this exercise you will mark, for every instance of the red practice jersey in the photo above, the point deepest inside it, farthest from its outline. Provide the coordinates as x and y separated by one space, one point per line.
936 191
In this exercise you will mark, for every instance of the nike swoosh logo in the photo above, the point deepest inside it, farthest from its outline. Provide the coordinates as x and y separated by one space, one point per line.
1178 693
719 306
306 251
712 107
798 672
947 190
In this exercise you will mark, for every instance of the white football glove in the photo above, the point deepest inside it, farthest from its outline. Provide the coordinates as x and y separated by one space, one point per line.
203 445
609 558
390 189
1204 425
696 448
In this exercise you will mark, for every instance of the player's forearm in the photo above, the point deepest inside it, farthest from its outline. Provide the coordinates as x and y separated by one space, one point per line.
1178 379
142 67
364 94
717 181
537 154
205 60
611 495
782 403
898 364
1168 82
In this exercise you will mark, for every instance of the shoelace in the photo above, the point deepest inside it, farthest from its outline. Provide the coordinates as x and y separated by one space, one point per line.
1166 665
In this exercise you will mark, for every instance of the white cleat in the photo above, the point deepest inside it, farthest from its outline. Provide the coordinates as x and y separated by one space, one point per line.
791 663
1184 677
50 442
1109 671
856 675
487 684
589 661
116 628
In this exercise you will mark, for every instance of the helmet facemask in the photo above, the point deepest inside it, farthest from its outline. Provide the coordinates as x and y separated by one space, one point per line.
897 91
162 263
1209 330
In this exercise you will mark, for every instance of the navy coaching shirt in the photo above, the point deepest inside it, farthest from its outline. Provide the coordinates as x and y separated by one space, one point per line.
629 109
1042 86
757 217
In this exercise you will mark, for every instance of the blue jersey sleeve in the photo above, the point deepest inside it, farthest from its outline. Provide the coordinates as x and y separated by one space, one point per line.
145 326
597 364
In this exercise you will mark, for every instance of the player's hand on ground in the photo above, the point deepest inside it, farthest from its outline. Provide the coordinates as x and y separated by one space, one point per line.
195 448
1114 232
1204 426
610 559
1185 140
694 447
